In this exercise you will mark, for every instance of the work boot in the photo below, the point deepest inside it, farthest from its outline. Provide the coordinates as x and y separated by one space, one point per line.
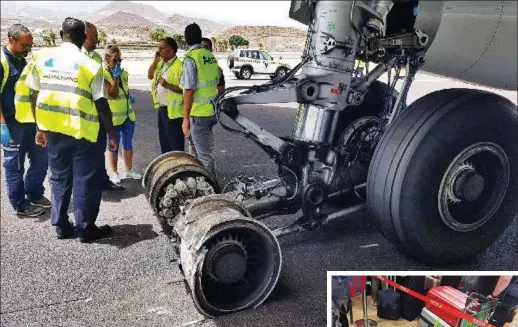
95 233
65 232
42 203
31 212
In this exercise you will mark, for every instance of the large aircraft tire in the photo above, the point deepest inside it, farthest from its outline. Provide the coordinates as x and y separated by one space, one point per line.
443 181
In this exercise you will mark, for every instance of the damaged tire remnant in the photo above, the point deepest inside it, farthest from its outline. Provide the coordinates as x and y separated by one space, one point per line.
174 178
230 261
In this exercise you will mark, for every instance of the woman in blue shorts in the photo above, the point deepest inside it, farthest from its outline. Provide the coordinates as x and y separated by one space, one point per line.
120 100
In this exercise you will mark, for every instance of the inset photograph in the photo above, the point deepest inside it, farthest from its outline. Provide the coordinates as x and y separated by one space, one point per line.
422 301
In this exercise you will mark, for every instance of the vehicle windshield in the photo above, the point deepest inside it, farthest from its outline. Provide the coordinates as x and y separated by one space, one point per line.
266 56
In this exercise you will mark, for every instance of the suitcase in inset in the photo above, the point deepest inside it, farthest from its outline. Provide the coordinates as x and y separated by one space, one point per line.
411 307
449 296
389 304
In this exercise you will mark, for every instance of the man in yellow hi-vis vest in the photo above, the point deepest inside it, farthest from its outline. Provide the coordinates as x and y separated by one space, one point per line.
91 42
167 95
18 129
22 98
199 79
69 109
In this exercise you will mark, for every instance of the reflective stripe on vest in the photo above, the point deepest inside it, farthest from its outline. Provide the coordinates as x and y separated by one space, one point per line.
120 106
66 88
68 111
5 66
64 102
209 83
22 98
208 78
97 58
156 105
174 100
204 100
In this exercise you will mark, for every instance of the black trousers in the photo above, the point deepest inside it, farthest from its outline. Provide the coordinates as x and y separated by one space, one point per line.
170 132
74 168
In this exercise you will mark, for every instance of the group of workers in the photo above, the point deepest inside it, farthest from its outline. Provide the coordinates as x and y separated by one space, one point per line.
183 92
63 109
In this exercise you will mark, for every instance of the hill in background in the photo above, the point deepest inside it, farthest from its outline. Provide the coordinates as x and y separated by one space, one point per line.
148 12
208 27
274 38
130 22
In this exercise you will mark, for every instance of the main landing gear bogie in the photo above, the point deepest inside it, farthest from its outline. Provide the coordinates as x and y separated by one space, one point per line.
440 183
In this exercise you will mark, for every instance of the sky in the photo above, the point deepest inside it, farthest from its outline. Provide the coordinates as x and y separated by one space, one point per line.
234 12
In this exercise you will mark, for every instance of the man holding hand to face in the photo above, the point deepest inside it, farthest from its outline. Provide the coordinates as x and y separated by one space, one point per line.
165 72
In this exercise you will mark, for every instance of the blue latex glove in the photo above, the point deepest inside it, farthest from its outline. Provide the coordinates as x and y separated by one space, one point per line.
6 136
132 99
117 71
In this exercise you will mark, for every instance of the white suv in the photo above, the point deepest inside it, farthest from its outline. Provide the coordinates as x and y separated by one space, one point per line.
247 62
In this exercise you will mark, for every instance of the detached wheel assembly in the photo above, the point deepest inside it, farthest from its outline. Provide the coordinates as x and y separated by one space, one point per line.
442 183
174 178
230 261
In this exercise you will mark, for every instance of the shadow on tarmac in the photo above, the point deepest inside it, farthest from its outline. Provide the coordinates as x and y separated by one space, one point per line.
132 189
127 235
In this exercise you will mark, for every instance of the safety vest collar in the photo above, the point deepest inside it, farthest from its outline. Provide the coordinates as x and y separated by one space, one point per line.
166 67
93 55
69 46
194 47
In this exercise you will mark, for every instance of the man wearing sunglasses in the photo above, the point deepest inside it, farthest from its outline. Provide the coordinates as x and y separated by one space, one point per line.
92 40
25 195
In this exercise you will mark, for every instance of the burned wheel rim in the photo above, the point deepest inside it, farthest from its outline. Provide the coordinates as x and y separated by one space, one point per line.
173 178
175 188
473 186
167 159
239 270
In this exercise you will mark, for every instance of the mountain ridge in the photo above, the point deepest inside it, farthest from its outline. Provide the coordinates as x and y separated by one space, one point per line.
130 22
143 10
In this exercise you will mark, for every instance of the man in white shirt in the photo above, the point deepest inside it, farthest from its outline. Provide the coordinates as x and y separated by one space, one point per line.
169 129
91 42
